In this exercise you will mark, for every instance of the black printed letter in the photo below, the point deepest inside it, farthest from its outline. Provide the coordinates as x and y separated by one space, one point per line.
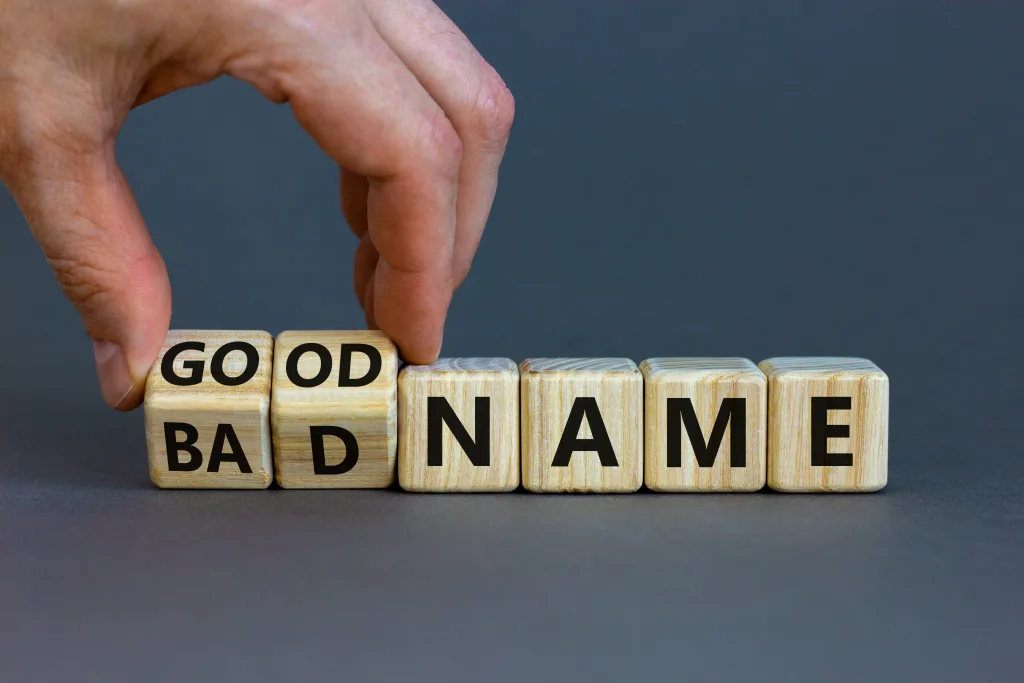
585 407
822 431
291 366
235 455
440 411
733 412
345 365
316 438
252 363
196 366
173 447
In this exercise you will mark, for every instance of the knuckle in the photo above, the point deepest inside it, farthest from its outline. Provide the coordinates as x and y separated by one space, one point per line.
442 147
98 281
84 283
83 263
461 273
10 155
493 110
16 143
39 144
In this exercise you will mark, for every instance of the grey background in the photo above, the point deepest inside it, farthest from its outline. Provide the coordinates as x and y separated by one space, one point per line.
684 178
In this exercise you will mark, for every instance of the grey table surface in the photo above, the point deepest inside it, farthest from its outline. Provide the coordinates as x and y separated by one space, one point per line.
727 178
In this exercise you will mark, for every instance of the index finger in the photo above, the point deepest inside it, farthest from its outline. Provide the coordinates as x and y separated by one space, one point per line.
367 111
411 221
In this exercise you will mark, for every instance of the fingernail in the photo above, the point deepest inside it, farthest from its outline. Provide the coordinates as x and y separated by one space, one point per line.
112 369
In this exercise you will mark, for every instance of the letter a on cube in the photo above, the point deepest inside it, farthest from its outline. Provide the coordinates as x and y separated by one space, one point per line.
208 410
828 424
458 425
582 424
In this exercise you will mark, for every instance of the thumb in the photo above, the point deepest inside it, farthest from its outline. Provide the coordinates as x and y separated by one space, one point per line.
84 216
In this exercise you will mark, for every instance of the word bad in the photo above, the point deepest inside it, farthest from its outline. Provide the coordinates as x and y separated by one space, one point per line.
229 409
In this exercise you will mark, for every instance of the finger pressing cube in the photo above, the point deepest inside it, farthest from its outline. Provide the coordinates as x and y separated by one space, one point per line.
581 426
459 425
334 409
207 410
828 424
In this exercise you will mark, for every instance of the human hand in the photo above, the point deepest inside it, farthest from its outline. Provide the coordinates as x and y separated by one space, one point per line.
390 89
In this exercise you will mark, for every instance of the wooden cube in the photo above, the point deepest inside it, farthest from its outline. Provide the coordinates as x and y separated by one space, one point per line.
582 425
458 425
828 424
705 424
207 410
334 409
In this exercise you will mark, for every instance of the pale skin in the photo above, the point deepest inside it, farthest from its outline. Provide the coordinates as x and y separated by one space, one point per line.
391 90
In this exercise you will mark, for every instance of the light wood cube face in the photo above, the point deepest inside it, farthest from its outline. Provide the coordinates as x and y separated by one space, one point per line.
207 410
705 424
334 409
582 425
459 425
828 424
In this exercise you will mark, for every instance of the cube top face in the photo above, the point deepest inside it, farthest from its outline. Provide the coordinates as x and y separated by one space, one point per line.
207 410
459 425
577 365
828 424
308 367
334 411
581 425
463 365
213 365
705 426
655 369
819 367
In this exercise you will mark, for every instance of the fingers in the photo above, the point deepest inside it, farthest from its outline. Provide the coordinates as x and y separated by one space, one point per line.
472 95
366 260
354 191
363 106
84 216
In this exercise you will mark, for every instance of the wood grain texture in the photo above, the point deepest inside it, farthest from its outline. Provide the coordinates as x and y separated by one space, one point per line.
246 408
369 412
549 388
706 382
792 382
460 381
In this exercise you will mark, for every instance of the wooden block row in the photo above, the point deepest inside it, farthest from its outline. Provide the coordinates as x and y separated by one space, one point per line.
332 410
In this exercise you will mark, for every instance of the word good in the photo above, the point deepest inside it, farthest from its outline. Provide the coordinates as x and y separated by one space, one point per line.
333 410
